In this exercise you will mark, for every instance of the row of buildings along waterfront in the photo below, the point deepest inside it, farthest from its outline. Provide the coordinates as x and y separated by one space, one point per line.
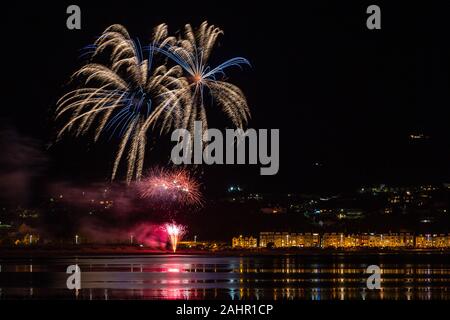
341 240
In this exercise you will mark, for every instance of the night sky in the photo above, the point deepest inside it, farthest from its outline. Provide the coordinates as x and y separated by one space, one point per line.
343 96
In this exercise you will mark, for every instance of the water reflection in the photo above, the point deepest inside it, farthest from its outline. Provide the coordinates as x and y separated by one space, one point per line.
336 277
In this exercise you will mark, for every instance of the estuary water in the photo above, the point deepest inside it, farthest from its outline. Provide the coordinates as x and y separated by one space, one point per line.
340 276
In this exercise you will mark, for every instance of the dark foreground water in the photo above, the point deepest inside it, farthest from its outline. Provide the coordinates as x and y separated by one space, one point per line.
417 276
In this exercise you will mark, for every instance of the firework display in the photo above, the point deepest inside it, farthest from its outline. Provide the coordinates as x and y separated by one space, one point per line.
175 233
192 52
124 96
123 91
171 186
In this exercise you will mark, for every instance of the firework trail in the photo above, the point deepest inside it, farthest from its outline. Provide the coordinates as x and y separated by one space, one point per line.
176 186
124 96
175 233
191 53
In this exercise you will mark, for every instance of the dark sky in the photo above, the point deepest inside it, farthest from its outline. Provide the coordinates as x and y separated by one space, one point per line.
341 95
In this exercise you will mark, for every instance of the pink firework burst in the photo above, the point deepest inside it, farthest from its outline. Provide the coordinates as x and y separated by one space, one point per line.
171 186
175 233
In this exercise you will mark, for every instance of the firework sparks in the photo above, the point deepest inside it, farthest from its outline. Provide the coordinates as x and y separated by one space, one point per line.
124 96
175 233
177 186
191 53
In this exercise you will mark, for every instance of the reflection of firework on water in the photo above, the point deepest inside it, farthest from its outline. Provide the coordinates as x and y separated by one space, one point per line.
191 52
123 94
175 233
171 186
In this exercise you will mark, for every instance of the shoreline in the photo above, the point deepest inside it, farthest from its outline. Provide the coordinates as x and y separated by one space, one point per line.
127 250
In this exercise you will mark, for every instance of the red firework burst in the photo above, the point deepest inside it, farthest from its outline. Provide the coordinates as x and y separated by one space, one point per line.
176 185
